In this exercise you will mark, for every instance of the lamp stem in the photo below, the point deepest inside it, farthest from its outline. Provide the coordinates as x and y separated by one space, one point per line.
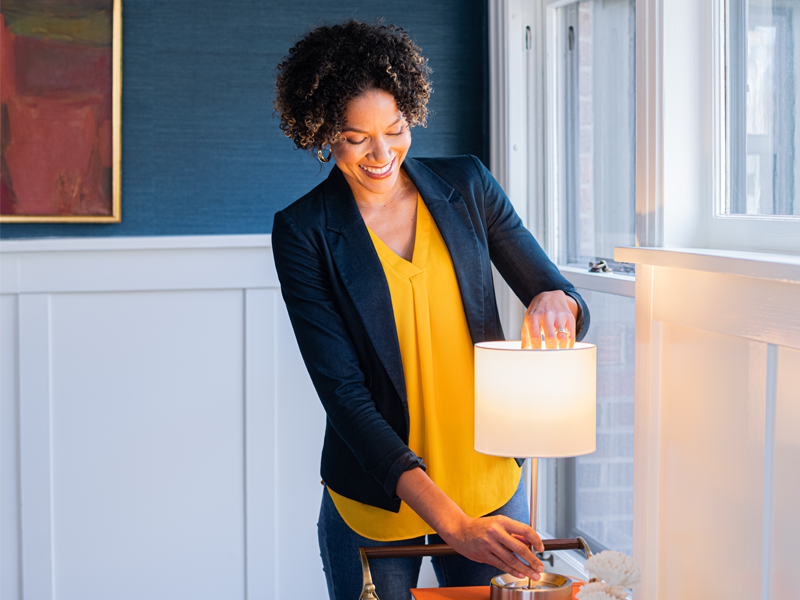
534 489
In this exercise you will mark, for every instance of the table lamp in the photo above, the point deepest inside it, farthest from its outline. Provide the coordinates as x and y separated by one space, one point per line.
534 403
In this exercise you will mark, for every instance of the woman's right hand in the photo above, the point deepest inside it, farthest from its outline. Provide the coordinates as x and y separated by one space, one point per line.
498 541
491 540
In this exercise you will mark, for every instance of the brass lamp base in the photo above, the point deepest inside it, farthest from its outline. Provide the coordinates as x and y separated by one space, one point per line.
549 587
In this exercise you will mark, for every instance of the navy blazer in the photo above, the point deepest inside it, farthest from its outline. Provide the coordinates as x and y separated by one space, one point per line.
341 309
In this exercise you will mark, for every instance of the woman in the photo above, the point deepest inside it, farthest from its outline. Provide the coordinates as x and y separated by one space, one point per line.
385 268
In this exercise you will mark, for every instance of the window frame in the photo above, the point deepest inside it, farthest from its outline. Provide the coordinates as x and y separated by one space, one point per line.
702 103
564 140
522 49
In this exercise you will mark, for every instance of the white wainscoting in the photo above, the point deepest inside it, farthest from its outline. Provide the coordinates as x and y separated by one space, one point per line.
159 434
717 425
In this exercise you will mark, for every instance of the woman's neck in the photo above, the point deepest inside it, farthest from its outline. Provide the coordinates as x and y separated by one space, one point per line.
402 192
393 216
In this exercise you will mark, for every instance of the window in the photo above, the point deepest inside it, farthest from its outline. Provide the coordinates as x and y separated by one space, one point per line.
588 132
751 57
762 92
593 102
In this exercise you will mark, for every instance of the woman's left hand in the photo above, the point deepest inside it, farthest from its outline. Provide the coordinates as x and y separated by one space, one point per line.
550 312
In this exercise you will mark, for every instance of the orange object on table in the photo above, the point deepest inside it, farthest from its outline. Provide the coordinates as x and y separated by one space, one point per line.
466 593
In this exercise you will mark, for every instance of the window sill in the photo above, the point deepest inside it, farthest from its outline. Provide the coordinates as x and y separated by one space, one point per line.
609 283
761 265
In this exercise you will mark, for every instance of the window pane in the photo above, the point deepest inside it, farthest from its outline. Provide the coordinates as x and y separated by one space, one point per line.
603 481
599 130
762 87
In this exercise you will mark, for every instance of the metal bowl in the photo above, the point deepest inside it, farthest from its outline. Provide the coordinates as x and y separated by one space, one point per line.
549 587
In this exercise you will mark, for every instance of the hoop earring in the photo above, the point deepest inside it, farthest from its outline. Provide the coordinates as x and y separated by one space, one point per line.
324 159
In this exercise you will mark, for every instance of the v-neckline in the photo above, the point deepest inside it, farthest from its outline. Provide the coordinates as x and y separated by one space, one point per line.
419 256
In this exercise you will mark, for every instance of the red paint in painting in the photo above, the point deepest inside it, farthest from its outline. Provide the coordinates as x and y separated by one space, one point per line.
8 200
56 127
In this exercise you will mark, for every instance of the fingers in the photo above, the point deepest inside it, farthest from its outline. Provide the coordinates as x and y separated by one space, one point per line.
527 342
511 564
544 323
572 326
525 535
532 330
565 327
501 542
514 551
548 313
510 560
501 564
514 561
549 328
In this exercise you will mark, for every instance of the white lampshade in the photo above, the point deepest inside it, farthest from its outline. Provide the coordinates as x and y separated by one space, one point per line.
535 403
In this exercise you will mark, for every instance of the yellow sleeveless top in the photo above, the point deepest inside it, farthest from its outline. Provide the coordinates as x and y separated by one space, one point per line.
437 354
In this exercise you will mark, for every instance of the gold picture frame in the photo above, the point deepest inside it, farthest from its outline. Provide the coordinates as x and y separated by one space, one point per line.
29 14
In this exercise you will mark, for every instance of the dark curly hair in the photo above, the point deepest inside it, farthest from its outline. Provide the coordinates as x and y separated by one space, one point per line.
333 64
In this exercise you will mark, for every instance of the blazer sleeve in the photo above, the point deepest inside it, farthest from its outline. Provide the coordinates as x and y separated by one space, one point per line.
517 255
331 358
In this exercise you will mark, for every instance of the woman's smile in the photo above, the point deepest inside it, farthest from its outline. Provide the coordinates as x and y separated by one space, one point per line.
379 172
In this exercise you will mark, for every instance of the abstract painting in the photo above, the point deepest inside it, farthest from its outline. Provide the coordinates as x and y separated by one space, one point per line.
60 123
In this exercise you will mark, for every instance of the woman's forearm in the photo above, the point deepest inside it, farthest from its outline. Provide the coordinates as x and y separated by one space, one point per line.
496 540
425 498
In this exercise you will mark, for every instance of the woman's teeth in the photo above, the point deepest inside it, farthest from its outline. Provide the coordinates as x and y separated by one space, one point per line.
380 171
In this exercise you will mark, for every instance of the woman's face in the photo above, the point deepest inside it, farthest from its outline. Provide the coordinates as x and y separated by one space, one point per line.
373 143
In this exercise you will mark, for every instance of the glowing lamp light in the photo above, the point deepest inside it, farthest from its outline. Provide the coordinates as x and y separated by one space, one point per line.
535 403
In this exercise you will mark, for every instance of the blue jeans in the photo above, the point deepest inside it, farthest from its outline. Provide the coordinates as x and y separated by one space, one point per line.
393 577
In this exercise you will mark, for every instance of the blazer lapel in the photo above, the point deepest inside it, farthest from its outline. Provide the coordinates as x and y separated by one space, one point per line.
362 274
450 213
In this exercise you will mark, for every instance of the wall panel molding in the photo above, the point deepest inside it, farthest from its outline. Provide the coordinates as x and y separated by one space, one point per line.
709 326
646 438
261 449
35 445
185 293
115 265
747 294
175 242
765 311
9 274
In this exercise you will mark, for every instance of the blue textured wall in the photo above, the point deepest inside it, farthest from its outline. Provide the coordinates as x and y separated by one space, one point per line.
201 149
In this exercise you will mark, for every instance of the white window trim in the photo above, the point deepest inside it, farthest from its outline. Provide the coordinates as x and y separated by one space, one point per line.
507 148
608 283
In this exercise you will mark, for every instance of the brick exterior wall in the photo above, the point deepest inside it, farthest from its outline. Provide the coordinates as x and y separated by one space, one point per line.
604 503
